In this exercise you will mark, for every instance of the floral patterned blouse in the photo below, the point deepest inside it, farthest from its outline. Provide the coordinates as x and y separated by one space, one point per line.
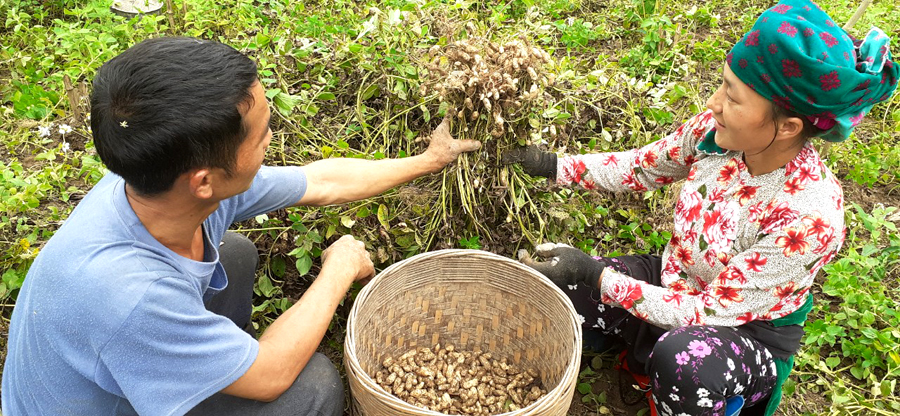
743 248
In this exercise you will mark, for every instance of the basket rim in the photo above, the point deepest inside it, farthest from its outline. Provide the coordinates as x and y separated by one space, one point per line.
366 382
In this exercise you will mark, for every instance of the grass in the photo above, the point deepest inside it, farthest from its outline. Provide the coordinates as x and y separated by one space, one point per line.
345 78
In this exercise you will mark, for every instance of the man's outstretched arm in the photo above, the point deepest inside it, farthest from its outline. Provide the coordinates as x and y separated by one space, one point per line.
339 180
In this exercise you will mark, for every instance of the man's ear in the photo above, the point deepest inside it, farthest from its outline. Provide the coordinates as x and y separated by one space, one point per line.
200 183
790 128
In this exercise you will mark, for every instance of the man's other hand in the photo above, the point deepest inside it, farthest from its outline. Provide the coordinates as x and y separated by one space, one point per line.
444 149
351 254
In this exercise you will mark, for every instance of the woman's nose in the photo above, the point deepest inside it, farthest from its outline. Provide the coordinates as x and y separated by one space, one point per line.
714 102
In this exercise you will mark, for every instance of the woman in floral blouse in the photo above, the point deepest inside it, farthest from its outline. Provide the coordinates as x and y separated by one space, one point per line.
715 321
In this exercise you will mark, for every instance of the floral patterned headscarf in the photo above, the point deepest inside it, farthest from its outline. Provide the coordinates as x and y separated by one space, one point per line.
798 58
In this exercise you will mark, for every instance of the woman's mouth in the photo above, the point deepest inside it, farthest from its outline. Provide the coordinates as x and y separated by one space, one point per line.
719 125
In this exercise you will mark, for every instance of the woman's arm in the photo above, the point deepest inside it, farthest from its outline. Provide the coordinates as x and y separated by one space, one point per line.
650 167
767 281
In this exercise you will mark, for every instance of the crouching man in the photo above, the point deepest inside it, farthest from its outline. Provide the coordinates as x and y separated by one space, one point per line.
140 303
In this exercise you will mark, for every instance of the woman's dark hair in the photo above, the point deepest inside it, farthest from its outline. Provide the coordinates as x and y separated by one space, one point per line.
809 129
169 105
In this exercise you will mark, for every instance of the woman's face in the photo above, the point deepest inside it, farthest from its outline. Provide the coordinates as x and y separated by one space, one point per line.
743 117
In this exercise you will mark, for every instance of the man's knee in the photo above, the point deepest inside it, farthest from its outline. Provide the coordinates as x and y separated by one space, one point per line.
237 247
320 383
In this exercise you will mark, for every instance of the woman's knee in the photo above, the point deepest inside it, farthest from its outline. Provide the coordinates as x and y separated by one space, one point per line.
671 351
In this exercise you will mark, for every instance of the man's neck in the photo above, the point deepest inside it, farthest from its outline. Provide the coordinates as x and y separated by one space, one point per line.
174 219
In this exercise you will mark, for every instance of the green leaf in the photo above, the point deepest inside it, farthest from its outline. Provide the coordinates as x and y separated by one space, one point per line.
832 362
354 47
584 388
702 190
325 96
304 263
597 362
383 216
550 113
703 244
265 286
277 266
346 221
887 387
285 103
563 116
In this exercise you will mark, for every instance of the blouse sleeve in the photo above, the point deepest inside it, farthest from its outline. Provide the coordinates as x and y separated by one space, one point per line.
769 280
650 167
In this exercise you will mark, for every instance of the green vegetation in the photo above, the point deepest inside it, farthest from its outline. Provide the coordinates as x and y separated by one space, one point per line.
346 77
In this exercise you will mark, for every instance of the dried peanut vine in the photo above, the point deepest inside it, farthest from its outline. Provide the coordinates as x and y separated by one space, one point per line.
494 93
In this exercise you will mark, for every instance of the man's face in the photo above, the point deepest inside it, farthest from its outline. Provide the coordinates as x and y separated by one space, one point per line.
252 151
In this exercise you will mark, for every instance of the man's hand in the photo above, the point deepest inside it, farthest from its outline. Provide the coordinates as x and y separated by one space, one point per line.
565 265
444 149
534 161
349 253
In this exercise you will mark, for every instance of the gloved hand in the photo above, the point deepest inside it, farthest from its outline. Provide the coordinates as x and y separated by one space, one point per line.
534 161
565 265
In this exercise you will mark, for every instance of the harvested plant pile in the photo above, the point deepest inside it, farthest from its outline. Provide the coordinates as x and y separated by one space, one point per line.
489 87
459 382
495 93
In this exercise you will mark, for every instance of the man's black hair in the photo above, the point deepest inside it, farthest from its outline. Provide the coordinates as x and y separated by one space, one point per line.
169 105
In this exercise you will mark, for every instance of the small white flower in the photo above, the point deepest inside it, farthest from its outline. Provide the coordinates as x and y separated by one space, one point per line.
65 147
601 323
666 409
705 402
580 319
774 369
601 307
703 392
730 364
728 376
572 287
674 389
44 131
738 389
674 397
65 129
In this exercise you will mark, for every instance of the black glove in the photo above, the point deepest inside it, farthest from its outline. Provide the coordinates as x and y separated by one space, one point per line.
565 265
534 161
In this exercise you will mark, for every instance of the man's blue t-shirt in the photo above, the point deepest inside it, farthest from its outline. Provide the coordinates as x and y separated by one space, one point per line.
111 322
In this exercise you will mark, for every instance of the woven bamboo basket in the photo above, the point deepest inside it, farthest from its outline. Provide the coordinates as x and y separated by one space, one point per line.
474 300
